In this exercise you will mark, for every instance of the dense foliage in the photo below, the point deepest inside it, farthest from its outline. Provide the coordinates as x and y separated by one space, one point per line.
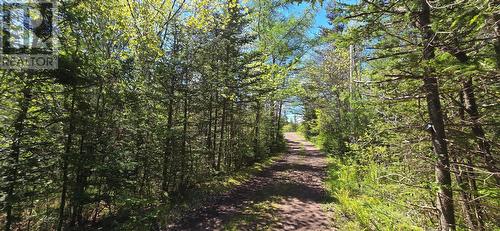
151 101
404 94
158 102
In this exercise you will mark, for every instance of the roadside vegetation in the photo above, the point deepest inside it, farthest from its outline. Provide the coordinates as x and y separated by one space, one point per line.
157 105
403 96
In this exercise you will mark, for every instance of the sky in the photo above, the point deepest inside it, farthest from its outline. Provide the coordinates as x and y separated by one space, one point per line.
320 19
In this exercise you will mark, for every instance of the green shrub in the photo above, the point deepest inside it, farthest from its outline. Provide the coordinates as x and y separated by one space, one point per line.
362 202
290 127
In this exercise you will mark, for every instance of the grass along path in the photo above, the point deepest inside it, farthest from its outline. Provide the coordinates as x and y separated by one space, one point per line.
288 195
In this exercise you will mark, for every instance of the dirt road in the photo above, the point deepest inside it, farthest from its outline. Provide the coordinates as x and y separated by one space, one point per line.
286 196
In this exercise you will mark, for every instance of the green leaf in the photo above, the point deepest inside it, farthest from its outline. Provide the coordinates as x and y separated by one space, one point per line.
474 19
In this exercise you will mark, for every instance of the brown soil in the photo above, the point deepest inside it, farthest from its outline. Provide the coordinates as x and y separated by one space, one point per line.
286 196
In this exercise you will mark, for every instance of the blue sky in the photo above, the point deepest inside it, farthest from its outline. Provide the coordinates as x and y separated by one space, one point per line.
320 19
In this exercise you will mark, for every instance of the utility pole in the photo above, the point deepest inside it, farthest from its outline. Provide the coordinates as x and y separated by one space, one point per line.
351 73
351 68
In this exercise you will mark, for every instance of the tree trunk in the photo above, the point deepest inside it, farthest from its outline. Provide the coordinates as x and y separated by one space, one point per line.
185 158
221 142
214 145
169 143
230 147
270 134
466 181
209 132
437 130
496 17
470 106
475 198
19 125
460 176
278 126
79 186
445 194
483 144
66 155
256 146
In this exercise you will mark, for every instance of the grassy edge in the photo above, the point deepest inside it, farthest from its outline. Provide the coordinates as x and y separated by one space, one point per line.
210 189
